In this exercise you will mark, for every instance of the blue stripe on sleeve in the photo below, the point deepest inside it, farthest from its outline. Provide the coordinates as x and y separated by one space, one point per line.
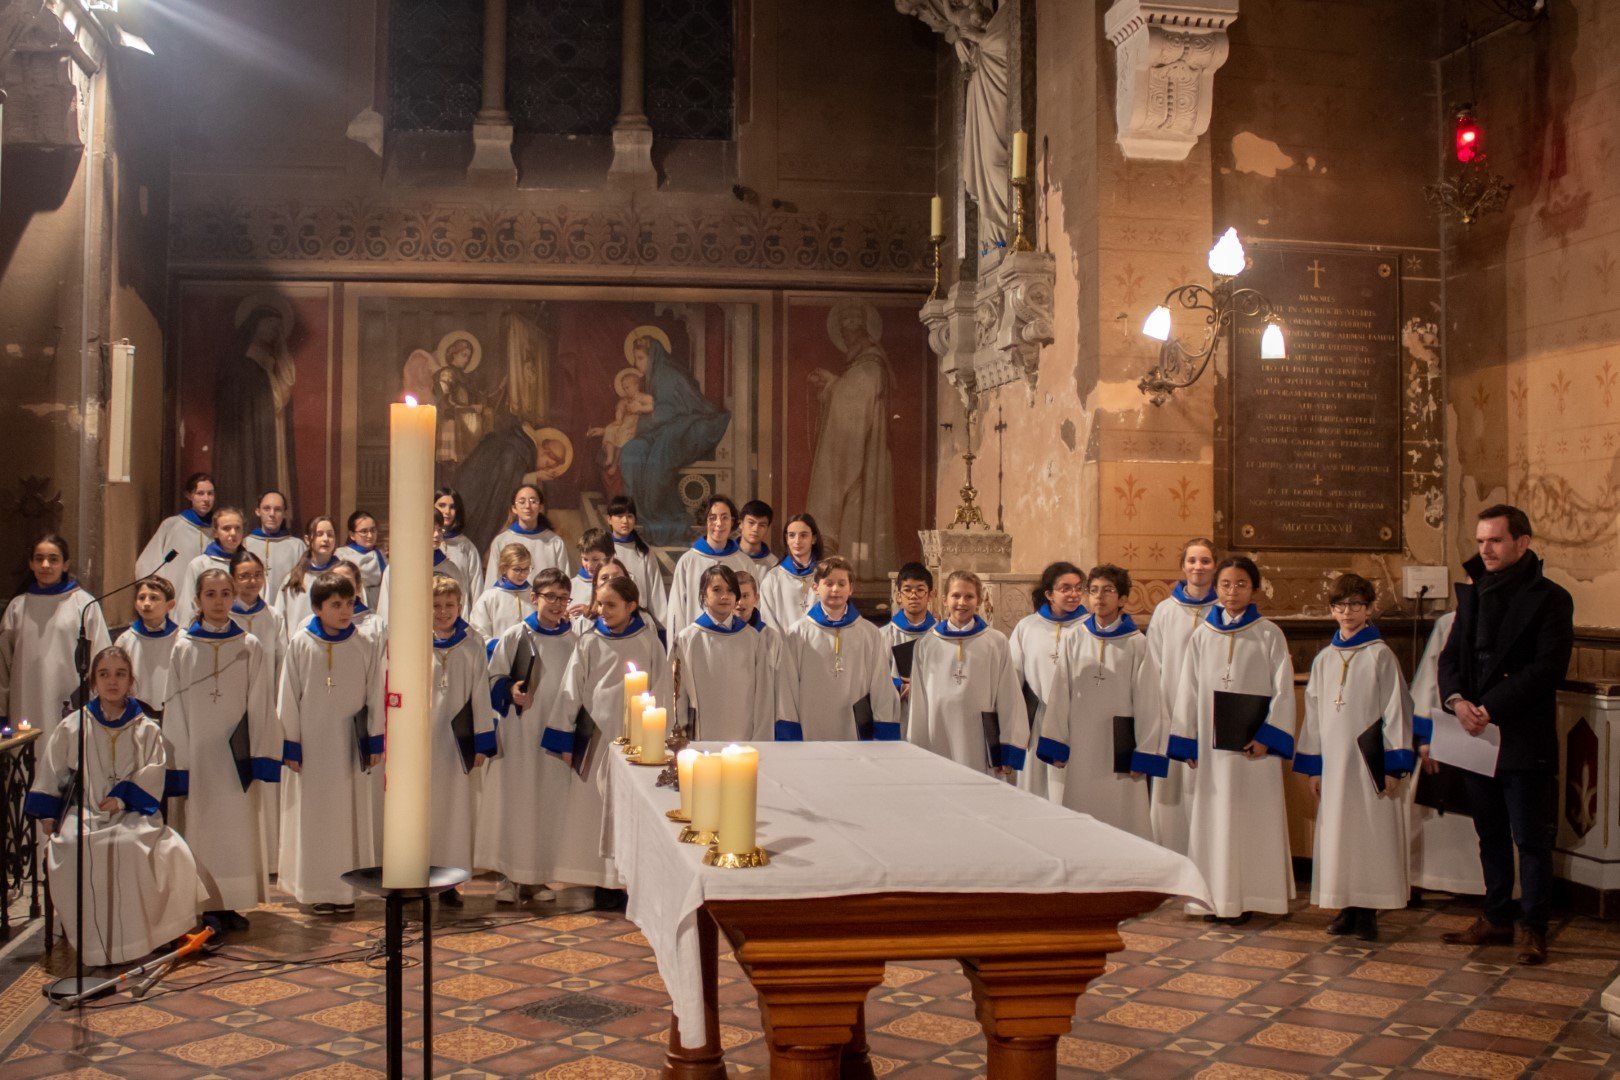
886 731
266 770
134 797
1276 740
789 731
1182 748
557 742
1150 764
176 784
42 805
291 751
1308 764
1013 757
1051 751
1399 762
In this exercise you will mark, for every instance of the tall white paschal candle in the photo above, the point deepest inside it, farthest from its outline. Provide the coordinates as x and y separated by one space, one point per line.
739 799
407 775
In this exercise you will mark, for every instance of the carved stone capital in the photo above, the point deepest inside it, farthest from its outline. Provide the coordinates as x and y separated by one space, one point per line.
1168 52
951 336
1014 318
979 551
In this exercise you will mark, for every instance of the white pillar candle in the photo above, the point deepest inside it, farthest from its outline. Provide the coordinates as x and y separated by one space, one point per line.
706 793
683 771
412 432
936 217
637 705
653 736
739 799
635 682
1020 155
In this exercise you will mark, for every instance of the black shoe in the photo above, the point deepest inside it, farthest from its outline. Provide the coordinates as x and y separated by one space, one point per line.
235 920
1367 925
324 909
1344 923
451 898
610 899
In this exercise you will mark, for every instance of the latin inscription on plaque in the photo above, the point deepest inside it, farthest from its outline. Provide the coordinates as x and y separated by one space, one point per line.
1315 438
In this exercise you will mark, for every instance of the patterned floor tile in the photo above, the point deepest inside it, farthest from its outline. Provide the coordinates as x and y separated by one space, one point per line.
225 1050
1303 1039
1545 993
1455 1061
1150 1017
1338 1001
930 1027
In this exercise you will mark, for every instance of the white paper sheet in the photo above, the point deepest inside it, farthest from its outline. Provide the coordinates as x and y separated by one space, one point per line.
1452 745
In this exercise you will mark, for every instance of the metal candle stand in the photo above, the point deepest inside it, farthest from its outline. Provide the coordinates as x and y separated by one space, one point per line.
369 880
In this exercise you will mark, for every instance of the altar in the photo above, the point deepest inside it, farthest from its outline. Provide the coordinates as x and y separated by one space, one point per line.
882 852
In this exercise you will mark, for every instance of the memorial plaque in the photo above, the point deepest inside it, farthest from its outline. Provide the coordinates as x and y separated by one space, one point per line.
1316 438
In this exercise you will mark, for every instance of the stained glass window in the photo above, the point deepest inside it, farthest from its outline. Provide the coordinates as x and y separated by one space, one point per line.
689 68
435 68
562 72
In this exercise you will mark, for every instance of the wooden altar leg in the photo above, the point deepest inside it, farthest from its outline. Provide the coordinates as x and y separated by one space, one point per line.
815 1016
855 1063
705 1062
1025 1005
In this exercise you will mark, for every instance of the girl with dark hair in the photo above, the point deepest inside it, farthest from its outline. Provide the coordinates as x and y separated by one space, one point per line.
637 557
786 589
1173 623
186 533
250 611
273 541
1058 602
364 551
531 528
38 634
716 545
723 688
230 528
458 547
320 545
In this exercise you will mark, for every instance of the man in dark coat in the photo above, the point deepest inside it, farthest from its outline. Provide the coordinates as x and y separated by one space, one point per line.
1507 653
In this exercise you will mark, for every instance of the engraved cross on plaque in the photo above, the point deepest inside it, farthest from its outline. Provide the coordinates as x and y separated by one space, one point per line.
1316 270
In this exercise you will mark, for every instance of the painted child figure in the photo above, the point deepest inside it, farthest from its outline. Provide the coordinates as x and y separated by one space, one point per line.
320 545
630 549
716 545
273 542
150 641
1174 620
1238 661
965 703
457 547
140 876
331 673
363 551
1037 643
186 534
1357 692
38 634
221 678
507 602
721 669
910 623
524 831
531 528
1105 724
787 590
1445 847
839 665
230 526
460 681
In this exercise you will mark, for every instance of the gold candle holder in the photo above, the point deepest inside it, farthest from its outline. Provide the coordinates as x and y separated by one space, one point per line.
679 815
1020 240
690 835
630 751
744 861
621 741
936 245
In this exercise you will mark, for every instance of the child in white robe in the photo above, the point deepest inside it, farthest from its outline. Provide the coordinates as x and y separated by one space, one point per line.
630 549
595 682
460 679
332 671
1036 642
788 589
1445 847
366 620
911 621
525 832
1104 674
1239 833
839 667
1360 853
778 672
961 672
259 619
531 528
141 886
457 547
1174 620
442 564
220 676
754 537
507 602
716 545
273 542
150 641
595 549
720 669
320 543
363 551
230 526
38 635
186 534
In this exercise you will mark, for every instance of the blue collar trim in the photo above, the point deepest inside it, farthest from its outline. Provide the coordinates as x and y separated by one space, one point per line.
360 608
216 551
1361 637
791 566
260 534
503 583
450 534
197 630
540 528
637 625
584 574
238 609
458 634
945 630
382 563
631 539
438 556
1250 616
821 617
1125 626
1179 595
701 546
201 522
756 620
532 621
311 568
764 552
66 585
909 627
169 627
132 709
315 628
1045 612
734 624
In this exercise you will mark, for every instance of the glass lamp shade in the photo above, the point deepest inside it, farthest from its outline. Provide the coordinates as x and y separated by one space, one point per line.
1157 325
1272 345
1226 257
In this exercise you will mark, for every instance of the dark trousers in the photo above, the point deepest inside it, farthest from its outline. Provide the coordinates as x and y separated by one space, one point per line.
1516 809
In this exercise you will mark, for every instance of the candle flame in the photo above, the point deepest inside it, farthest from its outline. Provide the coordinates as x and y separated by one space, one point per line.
410 399
630 668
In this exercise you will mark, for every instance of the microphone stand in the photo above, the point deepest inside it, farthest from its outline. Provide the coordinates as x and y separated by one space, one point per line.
69 992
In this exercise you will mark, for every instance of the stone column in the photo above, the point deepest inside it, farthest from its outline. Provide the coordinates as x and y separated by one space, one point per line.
492 129
632 135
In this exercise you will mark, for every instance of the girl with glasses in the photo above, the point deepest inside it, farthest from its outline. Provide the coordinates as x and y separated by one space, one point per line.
1037 641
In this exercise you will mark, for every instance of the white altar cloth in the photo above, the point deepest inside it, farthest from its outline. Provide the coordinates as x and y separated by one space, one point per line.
847 818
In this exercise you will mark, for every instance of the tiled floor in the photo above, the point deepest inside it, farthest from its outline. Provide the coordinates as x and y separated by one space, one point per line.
576 997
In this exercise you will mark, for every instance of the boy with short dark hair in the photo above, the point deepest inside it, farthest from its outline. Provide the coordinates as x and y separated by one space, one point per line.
150 641
754 536
913 591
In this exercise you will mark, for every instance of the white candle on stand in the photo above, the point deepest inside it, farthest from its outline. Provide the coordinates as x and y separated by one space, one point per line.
412 435
936 217
706 793
739 799
635 682
637 705
653 736
1020 155
683 773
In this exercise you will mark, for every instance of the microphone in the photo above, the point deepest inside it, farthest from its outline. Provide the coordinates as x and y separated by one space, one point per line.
81 651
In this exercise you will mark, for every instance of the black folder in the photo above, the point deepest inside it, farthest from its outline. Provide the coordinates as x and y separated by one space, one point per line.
903 653
992 737
1371 745
865 727
1445 791
461 726
691 723
1032 701
525 664
586 739
1124 742
1238 718
361 722
242 752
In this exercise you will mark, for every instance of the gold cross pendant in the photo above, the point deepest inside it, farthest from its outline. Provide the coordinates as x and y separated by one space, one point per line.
959 675
1099 675
214 694
1226 679
329 684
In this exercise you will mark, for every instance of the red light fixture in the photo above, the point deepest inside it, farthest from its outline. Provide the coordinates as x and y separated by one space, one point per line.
1468 135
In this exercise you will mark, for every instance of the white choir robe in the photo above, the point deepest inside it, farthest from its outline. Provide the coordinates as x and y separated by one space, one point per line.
957 675
685 598
546 550
786 593
524 829
759 564
216 679
1445 847
833 666
442 564
213 557
723 683
502 606
1036 643
460 675
897 631
294 605
370 623
264 622
279 552
1174 620
1360 853
327 825
645 572
582 589
373 569
464 553
38 634
141 881
780 673
1102 674
1238 837
187 535
595 681
149 651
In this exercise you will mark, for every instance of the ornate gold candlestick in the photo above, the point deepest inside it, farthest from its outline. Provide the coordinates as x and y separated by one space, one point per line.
936 245
1020 240
968 513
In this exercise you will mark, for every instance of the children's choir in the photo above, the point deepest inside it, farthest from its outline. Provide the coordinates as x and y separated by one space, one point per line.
264 658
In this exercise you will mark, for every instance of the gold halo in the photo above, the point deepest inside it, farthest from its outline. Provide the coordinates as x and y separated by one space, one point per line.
654 332
282 305
624 375
441 353
835 331
544 434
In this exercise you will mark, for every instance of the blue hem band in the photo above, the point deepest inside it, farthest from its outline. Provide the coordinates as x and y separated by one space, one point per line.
1399 762
42 805
1013 757
374 744
1422 728
266 770
489 648
291 751
1276 740
134 797
886 731
557 742
1181 748
500 694
1051 751
1308 764
1151 764
484 743
789 731
176 783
